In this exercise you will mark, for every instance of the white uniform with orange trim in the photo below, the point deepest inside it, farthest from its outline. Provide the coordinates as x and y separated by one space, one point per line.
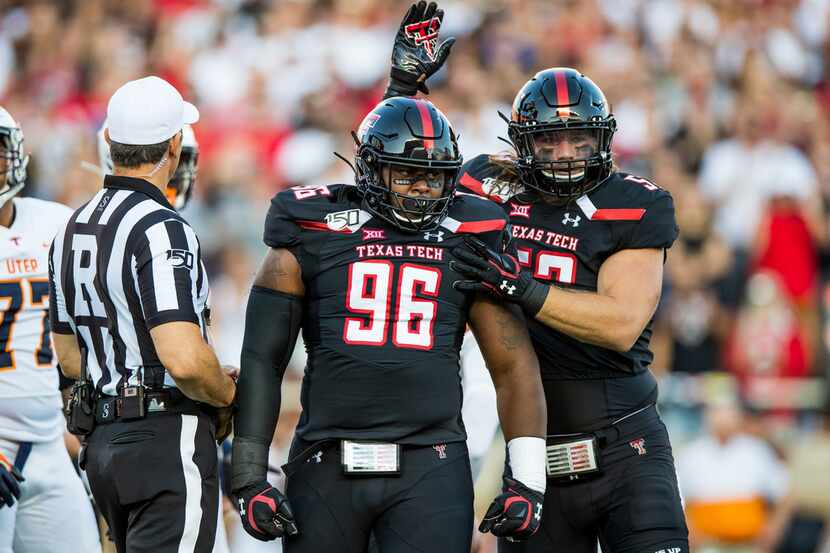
53 513
30 403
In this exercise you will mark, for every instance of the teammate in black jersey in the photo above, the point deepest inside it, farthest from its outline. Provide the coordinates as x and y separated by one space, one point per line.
587 270
365 271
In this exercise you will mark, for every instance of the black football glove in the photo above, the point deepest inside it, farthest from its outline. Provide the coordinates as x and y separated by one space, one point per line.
516 514
497 273
265 512
416 55
9 478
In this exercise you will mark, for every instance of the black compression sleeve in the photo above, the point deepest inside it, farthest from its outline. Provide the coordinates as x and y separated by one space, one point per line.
272 322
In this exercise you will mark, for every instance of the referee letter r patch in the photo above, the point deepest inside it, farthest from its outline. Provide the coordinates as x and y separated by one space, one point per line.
180 259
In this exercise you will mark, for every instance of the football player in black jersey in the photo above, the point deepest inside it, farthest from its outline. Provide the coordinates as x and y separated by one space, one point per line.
365 272
587 271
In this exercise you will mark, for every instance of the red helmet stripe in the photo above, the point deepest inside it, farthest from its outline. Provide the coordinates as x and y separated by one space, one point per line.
562 96
426 123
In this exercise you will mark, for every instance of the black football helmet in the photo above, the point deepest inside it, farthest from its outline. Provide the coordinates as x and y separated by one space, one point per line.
559 99
406 133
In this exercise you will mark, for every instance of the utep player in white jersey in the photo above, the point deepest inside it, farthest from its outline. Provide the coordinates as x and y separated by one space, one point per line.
52 511
178 194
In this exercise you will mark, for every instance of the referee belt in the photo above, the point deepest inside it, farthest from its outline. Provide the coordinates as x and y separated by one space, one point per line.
169 400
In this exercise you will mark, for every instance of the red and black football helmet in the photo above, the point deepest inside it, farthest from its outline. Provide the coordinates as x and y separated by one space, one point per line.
560 99
409 133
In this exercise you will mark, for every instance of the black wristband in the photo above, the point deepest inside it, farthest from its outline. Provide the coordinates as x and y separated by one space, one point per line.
401 83
249 464
534 297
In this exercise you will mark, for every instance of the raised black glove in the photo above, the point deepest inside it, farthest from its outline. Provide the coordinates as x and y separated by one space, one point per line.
265 512
9 478
516 514
497 273
416 55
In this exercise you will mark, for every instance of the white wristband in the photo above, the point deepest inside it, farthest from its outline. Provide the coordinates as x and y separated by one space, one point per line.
527 461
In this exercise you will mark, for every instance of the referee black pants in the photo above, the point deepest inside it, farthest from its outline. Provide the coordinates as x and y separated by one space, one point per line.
155 481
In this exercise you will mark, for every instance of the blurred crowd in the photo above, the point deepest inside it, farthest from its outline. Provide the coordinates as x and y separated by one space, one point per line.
726 103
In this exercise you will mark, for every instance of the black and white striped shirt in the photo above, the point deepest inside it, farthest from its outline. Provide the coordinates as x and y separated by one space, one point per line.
125 263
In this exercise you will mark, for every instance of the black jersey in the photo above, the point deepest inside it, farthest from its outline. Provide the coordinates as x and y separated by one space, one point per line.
382 323
566 245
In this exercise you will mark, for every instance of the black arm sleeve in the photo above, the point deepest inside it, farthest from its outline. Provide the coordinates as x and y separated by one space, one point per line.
272 322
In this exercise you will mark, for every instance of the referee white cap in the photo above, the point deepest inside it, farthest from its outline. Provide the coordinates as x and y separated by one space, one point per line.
147 111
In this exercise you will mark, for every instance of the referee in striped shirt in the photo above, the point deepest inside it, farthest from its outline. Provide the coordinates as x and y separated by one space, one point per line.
127 299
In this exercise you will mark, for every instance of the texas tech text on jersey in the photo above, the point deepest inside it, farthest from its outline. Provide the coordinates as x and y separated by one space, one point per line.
566 244
398 296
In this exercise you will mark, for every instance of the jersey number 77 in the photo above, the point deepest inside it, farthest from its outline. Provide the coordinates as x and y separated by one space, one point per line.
24 326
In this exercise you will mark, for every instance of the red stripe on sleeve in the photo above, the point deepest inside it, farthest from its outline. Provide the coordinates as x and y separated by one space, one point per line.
618 214
426 123
319 225
476 227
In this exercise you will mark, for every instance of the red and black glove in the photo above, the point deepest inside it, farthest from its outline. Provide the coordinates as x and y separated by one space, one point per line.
497 273
265 512
516 514
10 477
416 55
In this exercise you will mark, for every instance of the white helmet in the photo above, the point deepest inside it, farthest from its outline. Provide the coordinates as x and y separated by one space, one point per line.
11 142
180 187
184 179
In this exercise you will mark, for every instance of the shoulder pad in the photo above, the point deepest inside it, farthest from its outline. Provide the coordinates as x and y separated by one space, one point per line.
471 214
316 207
487 178
645 211
633 189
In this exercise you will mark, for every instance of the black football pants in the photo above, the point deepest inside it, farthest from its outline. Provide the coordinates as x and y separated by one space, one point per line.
428 508
632 507
155 480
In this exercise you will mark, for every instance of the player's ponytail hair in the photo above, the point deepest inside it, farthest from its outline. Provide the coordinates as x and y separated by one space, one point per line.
509 182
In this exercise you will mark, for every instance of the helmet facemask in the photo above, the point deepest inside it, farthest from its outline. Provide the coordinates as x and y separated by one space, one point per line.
563 160
180 187
13 162
379 176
